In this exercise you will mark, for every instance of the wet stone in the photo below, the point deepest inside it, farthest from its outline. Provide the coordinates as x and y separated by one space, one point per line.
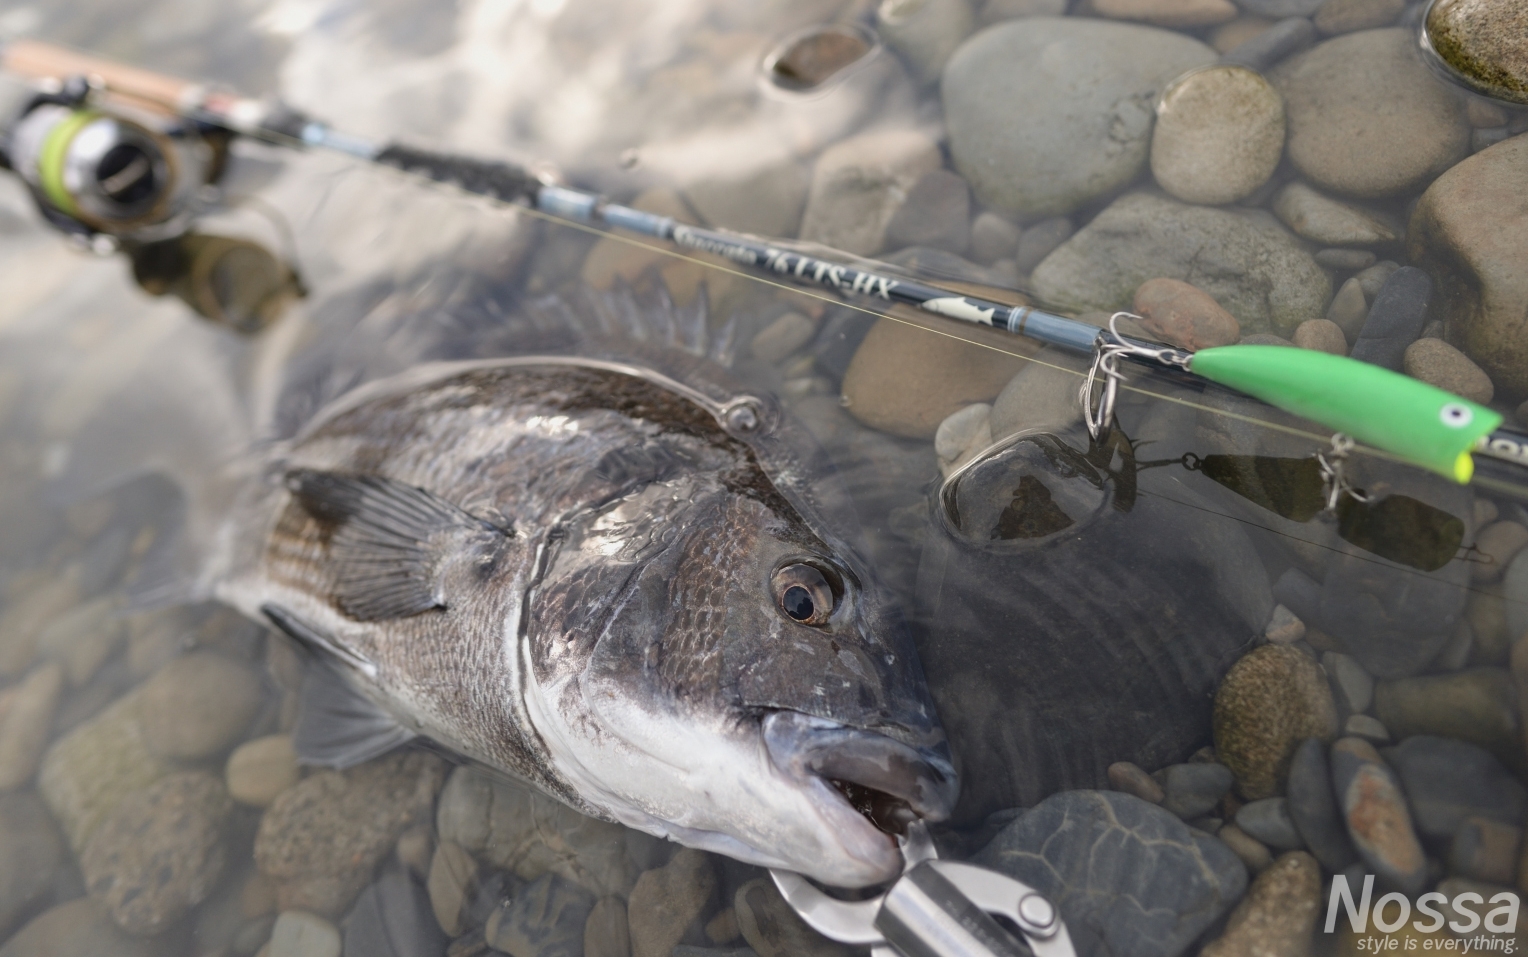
765 202
159 852
1127 876
961 434
996 11
1183 315
772 929
722 929
1179 14
1362 88
546 919
1284 628
393 918
259 770
1485 850
320 840
667 900
1229 36
1477 705
1377 817
1248 849
937 213
79 927
1349 309
1367 727
33 853
1268 820
1346 260
1438 363
1352 686
1324 220
994 238
1227 254
1271 700
1273 45
26 718
859 184
1131 779
1345 16
1281 8
924 33
1373 278
83 638
1032 147
1450 781
453 874
300 934
607 932
1277 918
1313 807
1485 43
85 773
1322 335
198 705
1395 319
1219 135
252 936
1499 543
783 337
1193 790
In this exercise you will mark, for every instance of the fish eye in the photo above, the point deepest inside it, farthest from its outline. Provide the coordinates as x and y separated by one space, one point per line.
804 593
1455 416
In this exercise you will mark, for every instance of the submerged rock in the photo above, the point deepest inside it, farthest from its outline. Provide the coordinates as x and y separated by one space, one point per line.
392 918
1127 876
546 919
859 184
78 927
1478 705
667 900
1449 781
773 929
1046 113
1270 701
1313 807
26 718
1483 42
1378 820
1255 269
1219 135
32 856
1278 916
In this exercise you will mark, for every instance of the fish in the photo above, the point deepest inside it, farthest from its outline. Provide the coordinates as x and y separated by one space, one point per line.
604 581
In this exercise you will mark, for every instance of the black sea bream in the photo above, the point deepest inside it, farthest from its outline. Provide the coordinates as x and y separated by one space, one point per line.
587 574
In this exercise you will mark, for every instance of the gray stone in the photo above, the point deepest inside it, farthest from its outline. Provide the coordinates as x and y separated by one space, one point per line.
994 238
1250 850
1438 363
1352 686
667 900
782 337
1131 779
1281 8
453 877
1034 143
1193 790
33 855
924 33
937 213
1277 918
1378 820
1478 705
962 434
300 934
1498 544
773 929
546 919
1312 806
1219 135
996 11
321 840
1372 279
765 202
1346 260
1039 241
1284 628
1485 850
1345 16
1248 263
1349 309
1268 820
393 918
1042 395
26 719
859 184
198 705
1350 92
80 927
1469 229
1127 876
1273 45
1325 220
1366 727
1271 700
1395 319
1448 781
159 852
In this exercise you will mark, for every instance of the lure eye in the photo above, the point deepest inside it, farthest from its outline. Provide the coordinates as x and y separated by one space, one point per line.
804 594
1455 416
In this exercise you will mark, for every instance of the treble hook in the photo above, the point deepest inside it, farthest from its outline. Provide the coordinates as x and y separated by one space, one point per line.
1108 349
1336 482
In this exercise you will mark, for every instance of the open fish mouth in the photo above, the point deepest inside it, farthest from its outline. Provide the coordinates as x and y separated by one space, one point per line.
882 781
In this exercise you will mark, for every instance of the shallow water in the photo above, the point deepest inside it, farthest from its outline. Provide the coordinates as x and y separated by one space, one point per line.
1165 600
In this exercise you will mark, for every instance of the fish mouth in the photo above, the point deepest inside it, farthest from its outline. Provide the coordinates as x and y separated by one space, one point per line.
879 780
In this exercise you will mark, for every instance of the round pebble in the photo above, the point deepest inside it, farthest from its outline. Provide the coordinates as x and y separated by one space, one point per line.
1178 14
1485 42
924 32
1348 310
1184 315
1324 220
1278 916
452 875
1271 700
1247 848
1349 93
782 337
1345 16
198 705
1130 778
1219 135
993 238
300 934
261 769
1323 335
1377 816
1498 544
1438 363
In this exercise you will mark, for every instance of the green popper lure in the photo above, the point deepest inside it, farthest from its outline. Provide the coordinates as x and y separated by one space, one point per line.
1416 421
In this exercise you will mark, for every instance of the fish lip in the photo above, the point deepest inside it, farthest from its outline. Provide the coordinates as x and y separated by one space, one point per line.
806 747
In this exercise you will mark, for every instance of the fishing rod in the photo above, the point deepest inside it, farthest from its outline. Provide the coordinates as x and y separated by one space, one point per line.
1405 417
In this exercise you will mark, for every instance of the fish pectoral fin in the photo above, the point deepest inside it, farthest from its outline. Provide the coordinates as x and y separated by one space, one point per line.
338 727
389 542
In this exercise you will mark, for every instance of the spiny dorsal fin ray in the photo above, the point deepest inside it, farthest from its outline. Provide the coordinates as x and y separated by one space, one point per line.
390 542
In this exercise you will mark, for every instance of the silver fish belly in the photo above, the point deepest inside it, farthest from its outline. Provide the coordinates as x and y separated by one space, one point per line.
576 573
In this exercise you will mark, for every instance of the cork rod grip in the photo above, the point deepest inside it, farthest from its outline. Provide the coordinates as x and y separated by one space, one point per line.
36 60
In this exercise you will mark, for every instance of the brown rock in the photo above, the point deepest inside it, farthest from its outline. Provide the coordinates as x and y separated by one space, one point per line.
1229 36
1378 819
606 932
26 718
198 705
1322 335
1478 705
1167 13
667 900
906 380
1249 849
1438 363
1485 850
1271 700
259 770
1497 544
1277 918
1184 315
1219 135
1486 42
1345 16
1131 779
1470 232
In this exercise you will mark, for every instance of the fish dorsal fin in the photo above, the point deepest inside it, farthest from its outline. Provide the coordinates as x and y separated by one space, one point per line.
389 542
337 726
